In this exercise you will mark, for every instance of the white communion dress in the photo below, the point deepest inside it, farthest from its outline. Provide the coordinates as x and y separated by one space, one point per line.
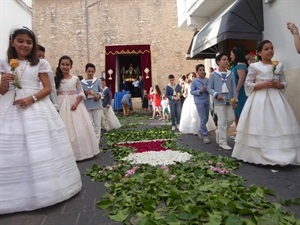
110 120
268 132
190 120
78 122
37 164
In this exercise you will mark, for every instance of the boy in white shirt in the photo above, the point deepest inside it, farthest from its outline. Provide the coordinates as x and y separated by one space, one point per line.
222 87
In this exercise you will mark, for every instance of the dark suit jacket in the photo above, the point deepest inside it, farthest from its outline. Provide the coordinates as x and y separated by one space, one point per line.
141 83
124 87
107 97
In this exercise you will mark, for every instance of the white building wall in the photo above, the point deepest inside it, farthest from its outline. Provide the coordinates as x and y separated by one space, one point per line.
181 12
12 14
276 15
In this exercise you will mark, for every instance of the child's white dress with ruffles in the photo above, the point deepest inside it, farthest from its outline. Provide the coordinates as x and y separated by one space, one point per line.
268 132
190 120
78 122
37 164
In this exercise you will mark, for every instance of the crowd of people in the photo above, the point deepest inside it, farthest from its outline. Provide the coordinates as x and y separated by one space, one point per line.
245 89
49 122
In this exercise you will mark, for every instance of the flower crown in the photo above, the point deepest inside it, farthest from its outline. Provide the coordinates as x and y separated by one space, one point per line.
15 28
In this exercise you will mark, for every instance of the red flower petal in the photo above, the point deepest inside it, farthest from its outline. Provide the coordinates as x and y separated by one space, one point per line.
146 146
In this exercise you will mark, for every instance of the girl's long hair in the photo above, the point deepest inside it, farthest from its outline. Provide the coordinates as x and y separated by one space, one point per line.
157 89
190 76
11 51
239 56
59 74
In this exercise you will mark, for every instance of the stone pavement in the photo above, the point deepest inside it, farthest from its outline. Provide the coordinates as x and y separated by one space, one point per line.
82 210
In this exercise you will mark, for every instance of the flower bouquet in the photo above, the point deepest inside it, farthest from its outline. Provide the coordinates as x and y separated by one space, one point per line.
231 101
91 94
276 68
14 63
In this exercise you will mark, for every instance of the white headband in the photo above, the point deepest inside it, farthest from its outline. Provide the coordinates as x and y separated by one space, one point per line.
15 28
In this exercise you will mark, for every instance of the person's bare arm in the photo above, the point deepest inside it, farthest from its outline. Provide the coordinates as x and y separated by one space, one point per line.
295 32
242 77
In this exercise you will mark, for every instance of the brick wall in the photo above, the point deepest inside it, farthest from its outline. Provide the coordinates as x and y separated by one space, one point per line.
82 29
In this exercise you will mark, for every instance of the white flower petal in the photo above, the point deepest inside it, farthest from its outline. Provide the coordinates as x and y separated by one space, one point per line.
155 158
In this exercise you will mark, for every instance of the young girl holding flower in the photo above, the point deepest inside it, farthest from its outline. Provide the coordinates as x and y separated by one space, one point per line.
37 165
268 132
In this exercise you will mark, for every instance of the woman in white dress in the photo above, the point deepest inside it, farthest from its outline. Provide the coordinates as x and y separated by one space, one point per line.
37 164
190 120
73 111
268 132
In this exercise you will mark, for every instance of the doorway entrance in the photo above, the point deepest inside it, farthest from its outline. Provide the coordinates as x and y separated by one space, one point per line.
118 69
129 70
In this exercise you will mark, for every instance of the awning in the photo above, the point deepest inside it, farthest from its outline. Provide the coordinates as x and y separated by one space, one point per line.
242 20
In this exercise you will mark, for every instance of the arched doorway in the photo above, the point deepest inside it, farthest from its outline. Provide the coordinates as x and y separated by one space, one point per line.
118 56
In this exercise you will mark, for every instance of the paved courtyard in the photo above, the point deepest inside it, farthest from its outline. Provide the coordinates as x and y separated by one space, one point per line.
82 210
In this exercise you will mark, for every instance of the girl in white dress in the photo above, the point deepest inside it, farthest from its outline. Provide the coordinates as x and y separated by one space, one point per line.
268 132
190 120
37 164
110 121
73 111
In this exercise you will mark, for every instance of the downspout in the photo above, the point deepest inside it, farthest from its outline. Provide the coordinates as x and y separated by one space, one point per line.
25 6
87 26
87 31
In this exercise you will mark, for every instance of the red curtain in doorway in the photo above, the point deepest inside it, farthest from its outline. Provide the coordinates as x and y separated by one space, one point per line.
111 53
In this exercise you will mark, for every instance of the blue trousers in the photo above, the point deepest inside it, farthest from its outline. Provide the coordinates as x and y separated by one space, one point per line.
203 112
175 108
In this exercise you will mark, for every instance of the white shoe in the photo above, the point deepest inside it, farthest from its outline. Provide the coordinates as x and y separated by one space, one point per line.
177 126
225 147
206 140
217 136
173 128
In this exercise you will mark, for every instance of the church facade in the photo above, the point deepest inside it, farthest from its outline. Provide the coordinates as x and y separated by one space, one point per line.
124 39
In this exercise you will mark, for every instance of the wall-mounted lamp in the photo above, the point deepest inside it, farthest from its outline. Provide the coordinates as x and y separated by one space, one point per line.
110 72
147 71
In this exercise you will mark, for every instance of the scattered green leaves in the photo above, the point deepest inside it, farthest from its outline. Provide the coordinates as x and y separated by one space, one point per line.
197 195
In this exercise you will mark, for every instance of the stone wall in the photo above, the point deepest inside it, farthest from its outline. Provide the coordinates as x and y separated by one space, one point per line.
82 29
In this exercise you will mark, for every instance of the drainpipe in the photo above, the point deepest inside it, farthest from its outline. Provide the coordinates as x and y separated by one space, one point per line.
87 31
87 26
25 6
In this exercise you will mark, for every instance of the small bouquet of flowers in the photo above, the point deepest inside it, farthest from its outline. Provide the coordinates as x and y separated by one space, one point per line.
14 63
230 101
276 68
91 94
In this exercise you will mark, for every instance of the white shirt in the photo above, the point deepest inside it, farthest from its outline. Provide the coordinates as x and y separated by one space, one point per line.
135 83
